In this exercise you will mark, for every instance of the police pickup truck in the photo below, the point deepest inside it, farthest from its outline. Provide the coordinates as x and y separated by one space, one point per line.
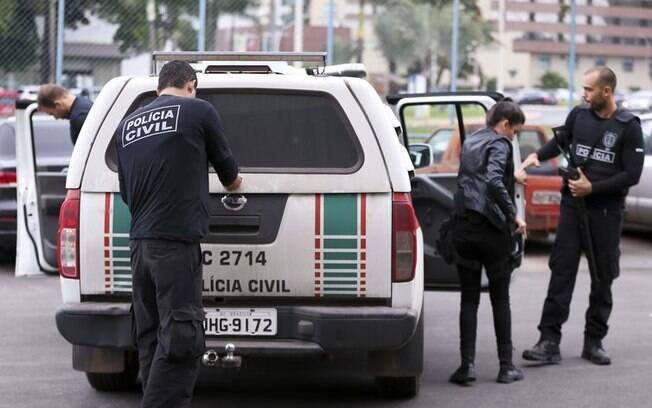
319 253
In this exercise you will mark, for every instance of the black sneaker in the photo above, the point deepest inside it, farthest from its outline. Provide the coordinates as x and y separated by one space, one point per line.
545 351
596 354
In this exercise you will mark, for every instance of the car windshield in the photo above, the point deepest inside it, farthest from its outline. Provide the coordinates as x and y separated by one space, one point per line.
647 135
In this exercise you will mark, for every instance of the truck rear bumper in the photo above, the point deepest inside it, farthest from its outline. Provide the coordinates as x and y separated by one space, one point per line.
301 329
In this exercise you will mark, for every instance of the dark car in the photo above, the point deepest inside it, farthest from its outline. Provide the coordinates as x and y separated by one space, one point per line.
535 97
53 148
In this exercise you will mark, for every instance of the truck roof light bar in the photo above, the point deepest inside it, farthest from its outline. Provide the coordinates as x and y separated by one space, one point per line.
317 58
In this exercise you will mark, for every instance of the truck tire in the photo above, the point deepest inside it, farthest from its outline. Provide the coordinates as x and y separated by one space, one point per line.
126 380
398 372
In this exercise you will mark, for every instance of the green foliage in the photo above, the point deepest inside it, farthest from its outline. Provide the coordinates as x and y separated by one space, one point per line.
19 39
416 34
552 80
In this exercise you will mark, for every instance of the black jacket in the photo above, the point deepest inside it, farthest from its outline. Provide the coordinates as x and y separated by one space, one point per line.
485 182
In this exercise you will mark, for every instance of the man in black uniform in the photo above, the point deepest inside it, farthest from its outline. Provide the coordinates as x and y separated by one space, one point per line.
163 153
606 143
57 101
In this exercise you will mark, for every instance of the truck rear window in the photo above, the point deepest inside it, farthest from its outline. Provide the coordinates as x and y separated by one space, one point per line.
282 131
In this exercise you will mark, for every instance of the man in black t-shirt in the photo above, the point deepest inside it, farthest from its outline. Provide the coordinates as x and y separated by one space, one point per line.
163 153
606 144
57 101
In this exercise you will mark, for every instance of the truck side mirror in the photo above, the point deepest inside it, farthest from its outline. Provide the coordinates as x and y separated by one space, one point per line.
421 155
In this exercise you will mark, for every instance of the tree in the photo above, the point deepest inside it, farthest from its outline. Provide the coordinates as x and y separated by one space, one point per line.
171 22
20 44
417 34
552 80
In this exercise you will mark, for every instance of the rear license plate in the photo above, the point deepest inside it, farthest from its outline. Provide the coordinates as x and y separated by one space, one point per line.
240 322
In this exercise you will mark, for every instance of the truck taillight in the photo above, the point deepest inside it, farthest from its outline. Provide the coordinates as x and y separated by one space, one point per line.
7 177
404 238
68 236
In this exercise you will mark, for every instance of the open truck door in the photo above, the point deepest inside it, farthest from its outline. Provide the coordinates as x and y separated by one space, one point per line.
434 127
43 148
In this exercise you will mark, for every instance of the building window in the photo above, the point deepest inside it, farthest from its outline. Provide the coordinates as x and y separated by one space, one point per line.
600 61
628 64
544 62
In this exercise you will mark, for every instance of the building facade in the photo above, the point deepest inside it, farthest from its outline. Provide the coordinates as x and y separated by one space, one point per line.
536 39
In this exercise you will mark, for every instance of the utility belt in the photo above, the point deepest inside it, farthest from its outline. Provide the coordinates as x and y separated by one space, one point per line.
610 202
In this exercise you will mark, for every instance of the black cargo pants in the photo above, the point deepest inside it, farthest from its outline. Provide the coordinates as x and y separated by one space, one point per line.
606 227
168 314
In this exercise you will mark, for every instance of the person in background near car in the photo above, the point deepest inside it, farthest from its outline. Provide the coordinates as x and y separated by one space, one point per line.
484 227
57 101
606 143
163 153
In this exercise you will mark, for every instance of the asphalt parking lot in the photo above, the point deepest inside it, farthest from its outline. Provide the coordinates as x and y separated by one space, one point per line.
35 362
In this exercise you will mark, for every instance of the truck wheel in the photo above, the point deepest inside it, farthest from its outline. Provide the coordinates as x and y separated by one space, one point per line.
123 381
398 372
399 387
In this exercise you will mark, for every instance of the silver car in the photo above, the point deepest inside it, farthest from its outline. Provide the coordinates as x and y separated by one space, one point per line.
639 200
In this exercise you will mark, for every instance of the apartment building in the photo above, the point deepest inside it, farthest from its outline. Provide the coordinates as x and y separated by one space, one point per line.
536 39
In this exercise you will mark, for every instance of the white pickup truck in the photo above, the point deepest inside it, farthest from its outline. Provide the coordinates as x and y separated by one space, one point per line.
320 252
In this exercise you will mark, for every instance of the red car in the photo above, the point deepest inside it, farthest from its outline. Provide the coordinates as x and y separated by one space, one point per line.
542 192
8 103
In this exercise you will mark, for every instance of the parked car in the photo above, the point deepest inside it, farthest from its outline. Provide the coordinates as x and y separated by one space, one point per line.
28 92
638 215
640 101
52 148
7 103
535 97
542 192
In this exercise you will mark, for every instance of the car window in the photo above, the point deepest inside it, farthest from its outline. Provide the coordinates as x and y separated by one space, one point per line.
282 131
529 141
52 139
7 142
646 125
438 126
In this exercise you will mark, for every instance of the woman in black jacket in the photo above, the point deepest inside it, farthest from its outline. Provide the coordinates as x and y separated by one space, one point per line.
486 220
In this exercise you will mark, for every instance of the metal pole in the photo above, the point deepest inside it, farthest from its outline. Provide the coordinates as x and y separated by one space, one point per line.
298 25
454 44
52 41
329 36
60 25
571 55
500 78
201 33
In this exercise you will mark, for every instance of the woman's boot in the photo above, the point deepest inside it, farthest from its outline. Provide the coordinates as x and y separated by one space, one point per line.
508 371
466 372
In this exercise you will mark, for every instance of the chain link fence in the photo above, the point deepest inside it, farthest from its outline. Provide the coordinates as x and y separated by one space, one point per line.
82 44
100 39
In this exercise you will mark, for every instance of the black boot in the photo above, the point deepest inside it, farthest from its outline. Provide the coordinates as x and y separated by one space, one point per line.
545 351
466 372
594 352
508 371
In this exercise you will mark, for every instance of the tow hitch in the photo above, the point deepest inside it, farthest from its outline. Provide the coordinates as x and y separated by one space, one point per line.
212 359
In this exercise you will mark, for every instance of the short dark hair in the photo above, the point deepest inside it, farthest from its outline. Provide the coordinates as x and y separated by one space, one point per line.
50 93
176 74
506 108
606 76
